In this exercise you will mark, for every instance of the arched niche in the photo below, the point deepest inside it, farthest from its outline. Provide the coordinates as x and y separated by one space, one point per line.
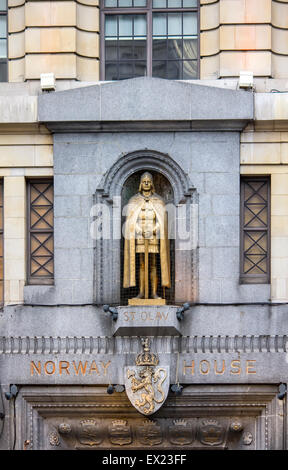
108 203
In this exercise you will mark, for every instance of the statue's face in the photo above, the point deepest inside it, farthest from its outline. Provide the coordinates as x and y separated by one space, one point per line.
146 183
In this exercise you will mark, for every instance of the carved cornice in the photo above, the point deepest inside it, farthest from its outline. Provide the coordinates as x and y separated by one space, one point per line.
76 417
206 125
132 345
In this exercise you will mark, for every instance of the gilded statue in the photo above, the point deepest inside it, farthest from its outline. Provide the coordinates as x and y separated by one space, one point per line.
146 236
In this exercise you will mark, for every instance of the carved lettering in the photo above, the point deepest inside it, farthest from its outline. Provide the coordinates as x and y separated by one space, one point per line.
34 367
249 365
206 369
94 368
237 366
191 368
150 317
216 367
105 366
126 316
47 367
65 368
219 372
129 316
80 367
144 316
64 365
219 367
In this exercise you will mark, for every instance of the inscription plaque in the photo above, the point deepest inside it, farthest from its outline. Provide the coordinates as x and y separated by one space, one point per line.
147 321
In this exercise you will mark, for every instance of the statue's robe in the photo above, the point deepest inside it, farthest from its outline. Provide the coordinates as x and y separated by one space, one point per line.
132 213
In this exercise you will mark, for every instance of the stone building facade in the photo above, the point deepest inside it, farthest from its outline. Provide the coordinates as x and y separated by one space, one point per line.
221 152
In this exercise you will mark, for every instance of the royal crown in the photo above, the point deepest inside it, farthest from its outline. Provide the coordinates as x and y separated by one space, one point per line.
149 423
146 358
88 422
119 423
180 422
210 422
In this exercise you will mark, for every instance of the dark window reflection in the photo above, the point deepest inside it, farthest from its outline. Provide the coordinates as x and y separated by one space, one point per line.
159 49
126 50
111 50
3 71
111 72
174 70
189 69
190 49
125 70
140 69
159 69
139 49
174 42
174 48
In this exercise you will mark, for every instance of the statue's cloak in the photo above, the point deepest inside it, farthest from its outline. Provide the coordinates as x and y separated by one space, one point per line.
132 213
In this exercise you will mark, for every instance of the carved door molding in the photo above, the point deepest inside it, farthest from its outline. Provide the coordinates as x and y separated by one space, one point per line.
217 417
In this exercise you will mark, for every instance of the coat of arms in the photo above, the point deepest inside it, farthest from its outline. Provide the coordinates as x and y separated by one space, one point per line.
149 433
120 432
146 385
211 433
90 432
181 433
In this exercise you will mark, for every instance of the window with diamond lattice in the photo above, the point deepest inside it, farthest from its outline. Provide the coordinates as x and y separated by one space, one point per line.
255 228
40 232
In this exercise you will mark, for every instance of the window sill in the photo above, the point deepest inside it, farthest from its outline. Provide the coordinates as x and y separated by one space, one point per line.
253 280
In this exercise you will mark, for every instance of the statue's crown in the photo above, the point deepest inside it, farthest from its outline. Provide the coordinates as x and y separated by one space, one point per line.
146 358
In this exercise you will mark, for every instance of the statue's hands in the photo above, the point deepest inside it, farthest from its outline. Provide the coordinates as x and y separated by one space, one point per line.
156 231
148 234
138 231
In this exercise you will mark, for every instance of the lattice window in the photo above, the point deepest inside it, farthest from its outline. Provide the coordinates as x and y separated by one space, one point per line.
255 228
40 236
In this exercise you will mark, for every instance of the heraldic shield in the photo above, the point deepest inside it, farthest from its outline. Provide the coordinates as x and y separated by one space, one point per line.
147 385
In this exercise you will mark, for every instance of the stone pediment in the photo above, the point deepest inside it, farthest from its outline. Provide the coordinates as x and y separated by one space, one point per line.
139 102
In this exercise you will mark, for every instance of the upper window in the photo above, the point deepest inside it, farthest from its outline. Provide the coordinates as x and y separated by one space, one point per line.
156 38
3 41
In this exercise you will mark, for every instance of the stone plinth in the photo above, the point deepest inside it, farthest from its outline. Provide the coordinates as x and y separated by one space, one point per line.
149 320
142 302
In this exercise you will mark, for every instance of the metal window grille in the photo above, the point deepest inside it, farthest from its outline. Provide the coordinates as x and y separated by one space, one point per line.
158 38
255 230
40 232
